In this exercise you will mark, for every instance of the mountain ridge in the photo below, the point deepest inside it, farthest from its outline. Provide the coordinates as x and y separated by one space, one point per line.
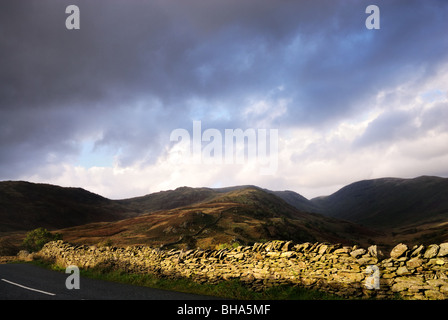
26 205
244 215
385 209
387 202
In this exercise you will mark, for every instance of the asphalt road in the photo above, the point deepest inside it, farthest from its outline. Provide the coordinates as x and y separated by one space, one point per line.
30 282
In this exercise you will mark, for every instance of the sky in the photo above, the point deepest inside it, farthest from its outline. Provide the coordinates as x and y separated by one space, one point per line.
96 106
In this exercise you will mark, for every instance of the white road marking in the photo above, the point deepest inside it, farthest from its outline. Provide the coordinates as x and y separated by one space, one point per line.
28 288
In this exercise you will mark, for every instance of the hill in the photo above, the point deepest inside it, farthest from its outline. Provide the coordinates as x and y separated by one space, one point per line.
169 199
388 202
412 210
26 206
297 200
381 211
244 215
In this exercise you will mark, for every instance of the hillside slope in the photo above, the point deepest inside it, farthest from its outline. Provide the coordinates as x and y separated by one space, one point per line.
169 199
243 215
388 210
298 201
389 202
26 206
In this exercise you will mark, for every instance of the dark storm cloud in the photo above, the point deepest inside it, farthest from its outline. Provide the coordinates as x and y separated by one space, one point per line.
138 69
351 64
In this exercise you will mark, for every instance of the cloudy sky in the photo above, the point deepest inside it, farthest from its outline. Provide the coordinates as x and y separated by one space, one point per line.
95 107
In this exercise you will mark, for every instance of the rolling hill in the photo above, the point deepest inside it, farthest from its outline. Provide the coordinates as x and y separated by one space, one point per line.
414 211
169 199
26 206
388 202
388 210
297 200
244 215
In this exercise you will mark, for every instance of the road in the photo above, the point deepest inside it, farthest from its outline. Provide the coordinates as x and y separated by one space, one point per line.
30 282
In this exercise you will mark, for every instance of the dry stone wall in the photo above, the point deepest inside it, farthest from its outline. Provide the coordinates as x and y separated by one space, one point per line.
420 272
